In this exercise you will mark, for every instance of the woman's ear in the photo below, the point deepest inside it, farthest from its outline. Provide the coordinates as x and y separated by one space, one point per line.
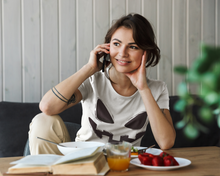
146 57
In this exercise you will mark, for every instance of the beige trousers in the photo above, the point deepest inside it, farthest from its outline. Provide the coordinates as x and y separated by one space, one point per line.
48 127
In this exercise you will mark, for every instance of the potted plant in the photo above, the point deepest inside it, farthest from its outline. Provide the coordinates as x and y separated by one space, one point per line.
205 71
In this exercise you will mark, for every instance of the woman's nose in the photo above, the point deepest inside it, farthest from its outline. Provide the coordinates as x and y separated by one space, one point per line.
123 51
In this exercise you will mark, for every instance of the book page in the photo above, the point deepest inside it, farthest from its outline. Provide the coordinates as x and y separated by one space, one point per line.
51 159
104 170
38 160
79 154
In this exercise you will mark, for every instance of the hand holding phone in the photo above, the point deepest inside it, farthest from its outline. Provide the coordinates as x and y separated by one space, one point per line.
100 54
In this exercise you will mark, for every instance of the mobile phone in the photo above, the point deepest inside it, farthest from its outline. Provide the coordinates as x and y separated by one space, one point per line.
103 62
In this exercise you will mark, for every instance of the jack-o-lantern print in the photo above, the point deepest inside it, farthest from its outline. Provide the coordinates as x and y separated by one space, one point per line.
134 125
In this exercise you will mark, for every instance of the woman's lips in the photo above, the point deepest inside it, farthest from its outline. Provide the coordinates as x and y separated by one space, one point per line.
122 62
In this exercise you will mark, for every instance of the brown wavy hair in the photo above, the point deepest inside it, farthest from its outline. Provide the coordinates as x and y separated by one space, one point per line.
143 35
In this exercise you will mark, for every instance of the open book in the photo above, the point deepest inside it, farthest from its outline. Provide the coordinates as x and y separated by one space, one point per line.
86 161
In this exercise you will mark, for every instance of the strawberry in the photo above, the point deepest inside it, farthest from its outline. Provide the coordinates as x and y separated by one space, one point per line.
150 155
144 154
145 159
163 154
140 156
167 161
175 163
157 161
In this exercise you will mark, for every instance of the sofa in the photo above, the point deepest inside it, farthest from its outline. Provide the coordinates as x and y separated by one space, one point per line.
15 118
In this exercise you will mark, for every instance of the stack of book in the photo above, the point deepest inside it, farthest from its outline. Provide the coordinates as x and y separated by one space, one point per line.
89 161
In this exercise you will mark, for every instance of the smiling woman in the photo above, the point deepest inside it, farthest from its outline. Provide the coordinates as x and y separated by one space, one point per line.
117 104
142 36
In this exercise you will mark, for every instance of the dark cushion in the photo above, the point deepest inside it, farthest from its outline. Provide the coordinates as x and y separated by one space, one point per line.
204 139
14 124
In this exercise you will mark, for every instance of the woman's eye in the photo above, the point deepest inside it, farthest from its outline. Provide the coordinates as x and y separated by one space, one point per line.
116 44
133 47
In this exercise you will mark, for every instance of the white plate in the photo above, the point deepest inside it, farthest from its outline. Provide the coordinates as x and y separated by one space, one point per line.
153 151
182 163
76 146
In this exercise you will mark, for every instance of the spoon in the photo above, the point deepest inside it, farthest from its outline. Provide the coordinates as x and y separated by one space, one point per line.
51 142
144 150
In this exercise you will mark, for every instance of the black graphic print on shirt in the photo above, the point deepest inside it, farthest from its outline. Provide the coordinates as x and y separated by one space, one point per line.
103 115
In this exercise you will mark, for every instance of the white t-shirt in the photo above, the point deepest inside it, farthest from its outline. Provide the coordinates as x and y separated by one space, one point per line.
108 116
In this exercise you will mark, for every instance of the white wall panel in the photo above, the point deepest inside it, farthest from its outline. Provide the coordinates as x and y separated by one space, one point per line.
12 63
1 55
49 44
117 9
165 42
208 17
31 50
179 39
217 21
67 38
101 21
42 42
134 6
150 12
194 34
84 31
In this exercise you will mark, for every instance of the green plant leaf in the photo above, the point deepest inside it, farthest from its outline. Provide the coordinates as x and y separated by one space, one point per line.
190 100
182 90
211 98
180 124
216 111
210 80
202 128
218 121
180 105
180 69
202 65
193 76
210 53
191 131
206 114
204 91
216 68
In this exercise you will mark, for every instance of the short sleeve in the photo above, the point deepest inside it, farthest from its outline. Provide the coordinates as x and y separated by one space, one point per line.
84 88
163 99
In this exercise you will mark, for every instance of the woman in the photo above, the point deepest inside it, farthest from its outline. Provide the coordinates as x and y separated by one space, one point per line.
118 103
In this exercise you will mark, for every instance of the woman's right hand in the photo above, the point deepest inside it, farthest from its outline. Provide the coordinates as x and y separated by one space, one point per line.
96 54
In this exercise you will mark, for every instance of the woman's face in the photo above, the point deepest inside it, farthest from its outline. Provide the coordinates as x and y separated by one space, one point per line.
124 53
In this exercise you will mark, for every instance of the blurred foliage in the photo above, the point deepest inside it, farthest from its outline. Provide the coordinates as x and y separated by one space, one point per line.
205 71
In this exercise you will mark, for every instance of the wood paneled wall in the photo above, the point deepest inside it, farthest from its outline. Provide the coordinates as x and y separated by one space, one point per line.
42 42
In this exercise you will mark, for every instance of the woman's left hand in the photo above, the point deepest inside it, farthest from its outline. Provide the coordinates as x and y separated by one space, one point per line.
138 76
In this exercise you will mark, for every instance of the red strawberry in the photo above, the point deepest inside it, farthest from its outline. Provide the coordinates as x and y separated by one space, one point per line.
140 156
145 154
163 154
157 161
150 155
175 163
167 161
147 160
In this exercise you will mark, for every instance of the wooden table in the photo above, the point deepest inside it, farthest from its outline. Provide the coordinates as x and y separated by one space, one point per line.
205 161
